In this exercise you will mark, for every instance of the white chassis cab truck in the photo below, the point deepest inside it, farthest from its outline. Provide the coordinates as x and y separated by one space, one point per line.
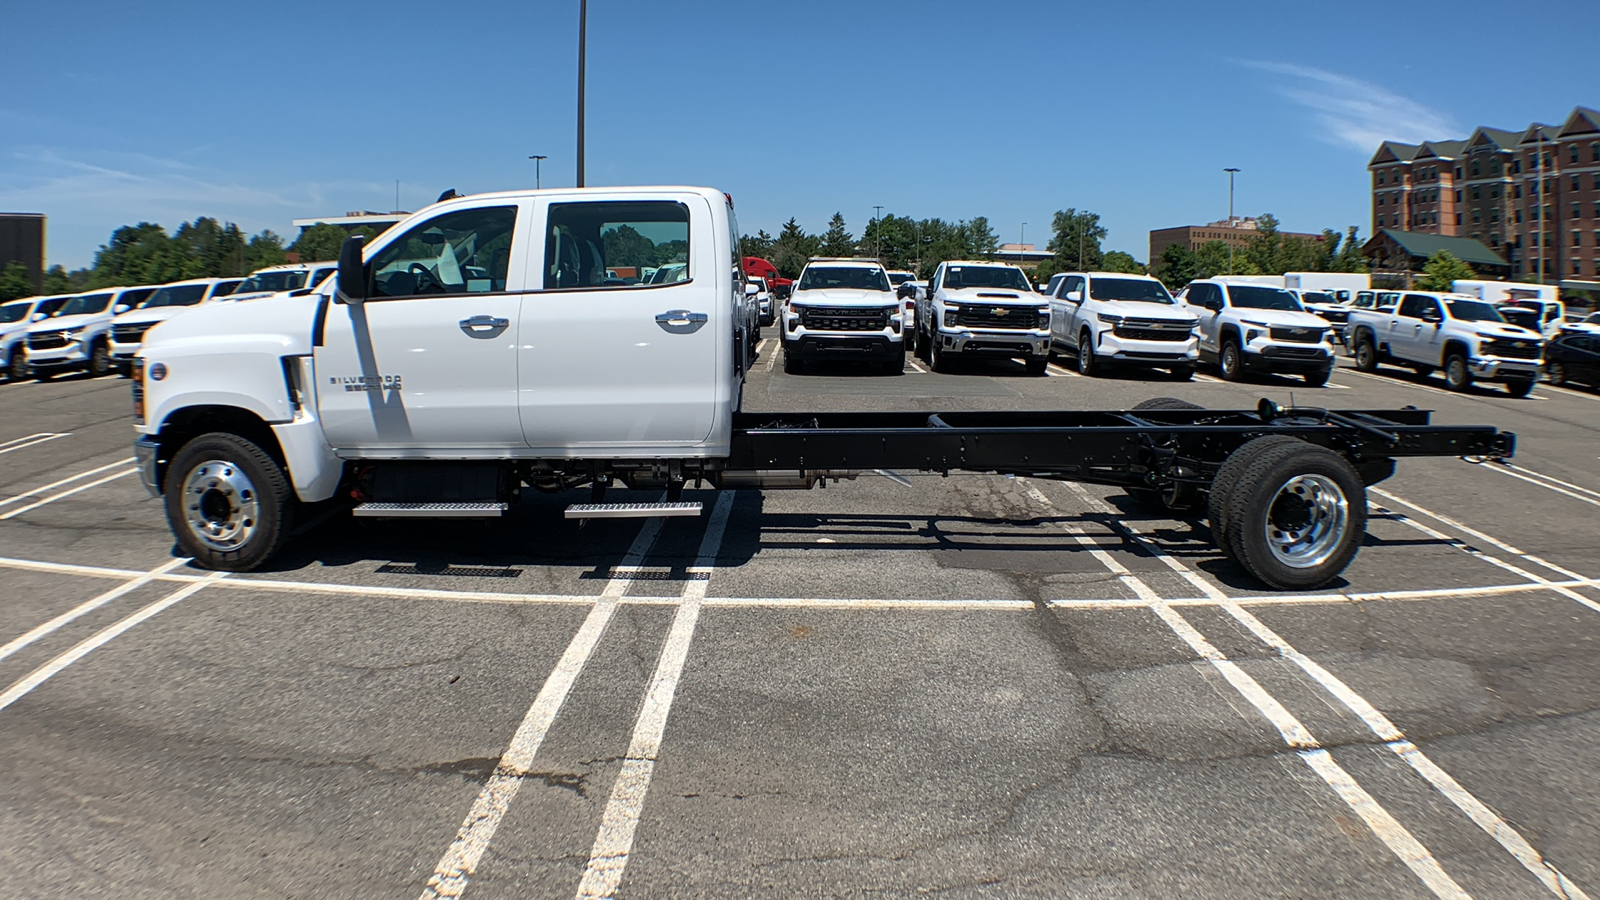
982 309
1463 335
843 309
478 348
1108 318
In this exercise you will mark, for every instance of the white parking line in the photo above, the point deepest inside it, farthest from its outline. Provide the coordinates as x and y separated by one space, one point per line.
472 839
1572 392
771 360
32 440
760 344
104 636
614 841
1488 539
1400 841
54 497
1507 470
88 606
1060 371
1376 722
1551 478
1201 376
68 480
916 366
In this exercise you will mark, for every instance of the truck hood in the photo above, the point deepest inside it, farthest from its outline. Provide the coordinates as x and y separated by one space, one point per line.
216 326
1496 330
1133 309
63 323
1283 317
996 296
141 316
843 297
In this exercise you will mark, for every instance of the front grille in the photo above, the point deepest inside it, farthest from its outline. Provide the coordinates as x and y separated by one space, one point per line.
1020 317
1295 352
1305 335
1512 349
1152 330
844 319
130 334
47 340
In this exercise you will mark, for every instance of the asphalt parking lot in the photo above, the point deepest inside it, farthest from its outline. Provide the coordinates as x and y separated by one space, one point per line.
969 686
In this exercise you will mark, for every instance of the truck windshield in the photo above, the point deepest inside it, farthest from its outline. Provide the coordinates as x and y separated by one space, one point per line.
1315 297
1003 277
1474 311
899 278
88 303
272 281
180 295
855 278
13 312
1246 296
1133 289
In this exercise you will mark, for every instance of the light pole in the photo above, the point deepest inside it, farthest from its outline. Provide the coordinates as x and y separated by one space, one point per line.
536 161
1231 172
583 26
877 233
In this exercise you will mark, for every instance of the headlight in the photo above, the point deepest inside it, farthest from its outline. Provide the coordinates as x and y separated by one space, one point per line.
950 314
1108 318
1044 319
1251 335
1256 324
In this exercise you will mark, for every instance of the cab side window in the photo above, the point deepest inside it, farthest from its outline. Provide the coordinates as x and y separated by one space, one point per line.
616 244
465 251
1073 283
1416 306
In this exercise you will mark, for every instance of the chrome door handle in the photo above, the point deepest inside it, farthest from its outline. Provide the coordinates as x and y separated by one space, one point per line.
468 325
681 317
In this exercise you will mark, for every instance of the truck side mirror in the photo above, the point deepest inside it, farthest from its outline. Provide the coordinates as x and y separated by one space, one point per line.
120 308
750 290
39 317
351 286
1214 304
1074 296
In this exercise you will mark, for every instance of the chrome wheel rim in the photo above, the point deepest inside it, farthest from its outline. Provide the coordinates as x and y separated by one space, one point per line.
1307 521
1457 372
221 505
1230 359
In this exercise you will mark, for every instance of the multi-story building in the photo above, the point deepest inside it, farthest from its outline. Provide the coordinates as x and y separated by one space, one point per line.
1531 196
22 240
1235 232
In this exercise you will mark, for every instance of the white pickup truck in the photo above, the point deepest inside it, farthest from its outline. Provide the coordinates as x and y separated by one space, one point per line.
1247 325
982 309
135 317
843 310
1465 336
1108 318
478 347
77 337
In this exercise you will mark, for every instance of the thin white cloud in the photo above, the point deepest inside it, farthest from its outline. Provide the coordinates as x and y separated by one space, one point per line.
1358 114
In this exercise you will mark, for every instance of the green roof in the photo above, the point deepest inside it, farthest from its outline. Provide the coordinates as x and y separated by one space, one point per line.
1424 245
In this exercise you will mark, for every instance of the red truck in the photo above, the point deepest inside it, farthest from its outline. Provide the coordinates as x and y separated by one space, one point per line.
758 267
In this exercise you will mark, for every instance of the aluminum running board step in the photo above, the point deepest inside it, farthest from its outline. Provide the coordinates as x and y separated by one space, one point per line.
432 510
632 510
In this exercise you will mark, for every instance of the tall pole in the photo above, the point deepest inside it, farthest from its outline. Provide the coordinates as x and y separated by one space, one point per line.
877 233
396 206
583 27
536 161
1231 172
1538 201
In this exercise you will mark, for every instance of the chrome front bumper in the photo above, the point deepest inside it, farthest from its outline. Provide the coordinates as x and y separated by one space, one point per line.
145 451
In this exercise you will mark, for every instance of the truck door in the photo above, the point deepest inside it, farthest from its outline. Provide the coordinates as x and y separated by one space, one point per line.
429 361
605 364
1409 326
1198 297
1065 316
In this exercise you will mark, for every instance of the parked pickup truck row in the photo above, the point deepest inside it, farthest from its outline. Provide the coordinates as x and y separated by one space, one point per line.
1466 337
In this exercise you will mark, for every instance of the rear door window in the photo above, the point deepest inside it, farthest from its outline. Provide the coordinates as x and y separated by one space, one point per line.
588 244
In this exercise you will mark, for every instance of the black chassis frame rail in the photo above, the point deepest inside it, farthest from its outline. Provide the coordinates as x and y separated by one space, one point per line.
1131 448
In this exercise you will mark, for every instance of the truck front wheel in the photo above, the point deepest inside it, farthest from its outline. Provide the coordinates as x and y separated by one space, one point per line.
229 502
1296 513
1231 360
1036 365
100 360
939 359
1366 353
1519 387
1457 377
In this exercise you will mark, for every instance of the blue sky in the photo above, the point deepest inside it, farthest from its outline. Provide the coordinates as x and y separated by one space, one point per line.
258 114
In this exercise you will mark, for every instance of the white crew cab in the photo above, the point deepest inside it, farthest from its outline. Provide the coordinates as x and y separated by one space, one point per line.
1108 318
277 279
843 309
763 299
77 336
1246 325
1463 335
15 317
982 309
159 304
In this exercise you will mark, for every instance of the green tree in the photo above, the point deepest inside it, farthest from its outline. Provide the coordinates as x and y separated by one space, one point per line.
1212 259
758 246
1348 256
1178 266
319 242
836 241
980 239
266 249
1076 239
14 282
1117 261
58 281
1442 271
792 248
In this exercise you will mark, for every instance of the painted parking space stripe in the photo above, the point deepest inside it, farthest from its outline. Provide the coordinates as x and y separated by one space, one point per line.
87 607
32 440
1473 532
916 366
608 858
1059 370
100 639
461 860
1505 470
68 480
67 493
1426 387
1527 472
1377 723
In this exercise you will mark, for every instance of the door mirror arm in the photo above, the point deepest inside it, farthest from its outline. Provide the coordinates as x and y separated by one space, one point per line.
351 284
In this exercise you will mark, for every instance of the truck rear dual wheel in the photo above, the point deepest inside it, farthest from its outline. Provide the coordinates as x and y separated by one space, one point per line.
1291 513
229 502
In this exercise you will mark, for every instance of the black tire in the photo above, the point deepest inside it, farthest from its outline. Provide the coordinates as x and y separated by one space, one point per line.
1287 492
1422 369
1231 360
921 349
896 364
1035 366
222 479
792 364
17 370
1556 370
1086 361
1166 403
100 360
1317 377
1178 497
41 374
1457 377
1228 476
1182 373
1519 387
939 360
1366 353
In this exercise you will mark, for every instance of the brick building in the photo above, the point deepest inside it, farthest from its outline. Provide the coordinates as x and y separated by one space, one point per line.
1531 196
1235 232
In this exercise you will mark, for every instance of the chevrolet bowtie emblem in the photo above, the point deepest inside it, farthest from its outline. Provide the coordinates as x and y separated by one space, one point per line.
1000 310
